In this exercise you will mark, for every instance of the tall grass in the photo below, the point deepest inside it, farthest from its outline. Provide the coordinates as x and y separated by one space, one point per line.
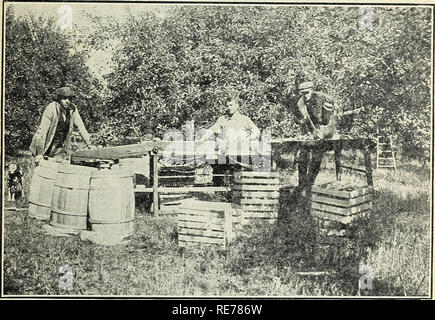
267 261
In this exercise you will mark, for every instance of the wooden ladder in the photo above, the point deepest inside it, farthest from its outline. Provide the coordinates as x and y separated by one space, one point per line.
385 157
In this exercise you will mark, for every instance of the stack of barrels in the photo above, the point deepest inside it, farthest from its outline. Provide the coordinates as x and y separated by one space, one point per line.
78 198
41 188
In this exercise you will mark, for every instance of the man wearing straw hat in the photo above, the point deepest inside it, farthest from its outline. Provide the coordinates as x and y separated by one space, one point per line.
317 113
53 136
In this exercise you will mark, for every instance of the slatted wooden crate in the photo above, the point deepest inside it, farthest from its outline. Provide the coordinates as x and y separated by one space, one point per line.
257 193
335 206
170 202
208 223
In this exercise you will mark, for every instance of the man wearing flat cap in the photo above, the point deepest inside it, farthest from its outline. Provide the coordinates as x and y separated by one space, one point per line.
317 113
53 136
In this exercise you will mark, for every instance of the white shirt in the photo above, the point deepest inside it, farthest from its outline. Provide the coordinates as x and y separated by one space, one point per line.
238 127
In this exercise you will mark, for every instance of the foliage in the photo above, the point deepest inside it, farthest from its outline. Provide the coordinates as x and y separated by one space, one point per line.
177 63
179 66
39 59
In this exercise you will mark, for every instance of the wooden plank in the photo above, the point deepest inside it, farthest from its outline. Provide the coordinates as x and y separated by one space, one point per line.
209 205
341 211
243 201
111 153
203 233
203 219
244 187
335 217
342 193
249 214
155 184
175 207
194 216
202 212
256 194
174 196
256 174
186 244
143 188
200 225
192 189
247 207
200 239
255 181
228 227
340 202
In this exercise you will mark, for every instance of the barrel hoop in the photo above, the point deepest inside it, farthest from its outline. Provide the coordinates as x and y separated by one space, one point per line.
66 226
69 188
40 204
68 213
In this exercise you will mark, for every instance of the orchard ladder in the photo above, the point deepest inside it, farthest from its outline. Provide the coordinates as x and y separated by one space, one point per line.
385 157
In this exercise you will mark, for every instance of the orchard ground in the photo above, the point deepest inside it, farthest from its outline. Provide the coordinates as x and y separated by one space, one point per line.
392 246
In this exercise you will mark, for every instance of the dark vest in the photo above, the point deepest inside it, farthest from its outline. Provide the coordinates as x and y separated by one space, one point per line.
60 134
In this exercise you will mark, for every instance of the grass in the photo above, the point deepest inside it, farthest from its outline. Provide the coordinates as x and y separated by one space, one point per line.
394 243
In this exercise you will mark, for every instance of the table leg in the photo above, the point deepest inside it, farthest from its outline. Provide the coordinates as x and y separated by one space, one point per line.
156 184
368 165
337 159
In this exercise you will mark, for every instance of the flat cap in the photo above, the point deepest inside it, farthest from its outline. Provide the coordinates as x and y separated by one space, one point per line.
65 92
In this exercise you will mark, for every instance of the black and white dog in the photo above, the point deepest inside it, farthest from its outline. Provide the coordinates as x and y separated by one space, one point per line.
14 182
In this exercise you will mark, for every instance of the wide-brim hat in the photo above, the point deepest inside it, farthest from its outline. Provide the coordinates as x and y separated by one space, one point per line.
65 92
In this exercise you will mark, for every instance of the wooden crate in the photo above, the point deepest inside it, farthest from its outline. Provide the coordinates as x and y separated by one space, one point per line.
170 205
334 207
205 222
257 193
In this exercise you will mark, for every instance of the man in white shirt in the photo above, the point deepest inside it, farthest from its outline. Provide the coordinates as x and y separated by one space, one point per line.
233 125
236 134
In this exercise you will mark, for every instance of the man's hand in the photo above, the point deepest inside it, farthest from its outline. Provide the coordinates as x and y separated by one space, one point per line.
38 158
318 134
324 132
328 106
304 120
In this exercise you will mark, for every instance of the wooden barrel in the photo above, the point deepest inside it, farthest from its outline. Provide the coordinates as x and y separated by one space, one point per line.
41 188
111 202
69 206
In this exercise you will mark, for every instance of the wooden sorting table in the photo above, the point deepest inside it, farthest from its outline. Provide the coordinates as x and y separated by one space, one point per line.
183 151
365 145
207 151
